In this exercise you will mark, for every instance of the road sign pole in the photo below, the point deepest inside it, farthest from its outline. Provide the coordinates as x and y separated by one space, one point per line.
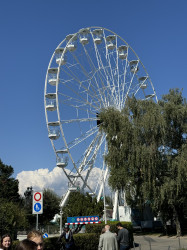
60 221
36 222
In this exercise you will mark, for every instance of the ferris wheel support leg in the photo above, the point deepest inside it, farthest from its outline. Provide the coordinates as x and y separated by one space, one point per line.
64 199
102 185
62 204
115 207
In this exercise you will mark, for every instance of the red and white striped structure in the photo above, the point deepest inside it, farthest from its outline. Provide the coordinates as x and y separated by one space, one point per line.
82 223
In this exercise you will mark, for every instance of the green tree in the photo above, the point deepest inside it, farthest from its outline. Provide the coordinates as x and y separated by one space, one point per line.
146 152
134 137
12 217
174 188
81 205
50 206
27 201
9 185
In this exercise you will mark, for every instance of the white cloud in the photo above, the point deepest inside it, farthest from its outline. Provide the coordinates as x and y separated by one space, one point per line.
43 178
55 180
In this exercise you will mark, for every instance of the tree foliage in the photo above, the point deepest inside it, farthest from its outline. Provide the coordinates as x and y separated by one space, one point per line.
50 206
81 205
174 188
12 215
9 185
147 151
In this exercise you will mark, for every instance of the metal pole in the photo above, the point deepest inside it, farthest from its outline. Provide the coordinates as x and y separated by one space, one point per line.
115 206
179 243
36 222
150 244
60 221
104 201
134 245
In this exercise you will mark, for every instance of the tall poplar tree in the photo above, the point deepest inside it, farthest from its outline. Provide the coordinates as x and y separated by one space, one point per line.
174 188
146 152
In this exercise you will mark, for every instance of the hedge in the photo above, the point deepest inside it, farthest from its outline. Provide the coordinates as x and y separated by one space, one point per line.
89 239
96 228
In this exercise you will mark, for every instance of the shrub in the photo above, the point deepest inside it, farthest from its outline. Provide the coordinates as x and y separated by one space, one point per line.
51 243
96 228
82 241
87 241
14 244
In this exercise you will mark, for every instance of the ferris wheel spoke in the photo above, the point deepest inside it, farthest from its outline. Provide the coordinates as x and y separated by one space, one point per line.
103 171
82 138
73 177
95 83
81 83
106 76
77 103
101 66
96 141
76 79
99 74
124 78
114 94
136 89
115 74
83 99
89 163
130 85
108 55
92 95
116 60
115 78
109 64
79 120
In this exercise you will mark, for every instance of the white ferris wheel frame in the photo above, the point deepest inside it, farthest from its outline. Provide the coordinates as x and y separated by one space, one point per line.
95 145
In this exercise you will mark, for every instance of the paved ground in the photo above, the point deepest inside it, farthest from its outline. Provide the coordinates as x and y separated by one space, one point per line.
159 243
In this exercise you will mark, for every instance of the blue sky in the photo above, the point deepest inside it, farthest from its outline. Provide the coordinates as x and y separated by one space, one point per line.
31 30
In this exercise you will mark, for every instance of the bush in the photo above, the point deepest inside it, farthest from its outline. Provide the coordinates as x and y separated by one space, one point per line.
51 243
82 241
87 241
96 228
14 244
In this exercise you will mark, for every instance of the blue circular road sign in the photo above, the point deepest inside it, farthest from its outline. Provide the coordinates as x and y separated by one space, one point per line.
37 207
45 235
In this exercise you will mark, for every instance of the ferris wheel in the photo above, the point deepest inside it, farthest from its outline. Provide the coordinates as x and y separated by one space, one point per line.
88 71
